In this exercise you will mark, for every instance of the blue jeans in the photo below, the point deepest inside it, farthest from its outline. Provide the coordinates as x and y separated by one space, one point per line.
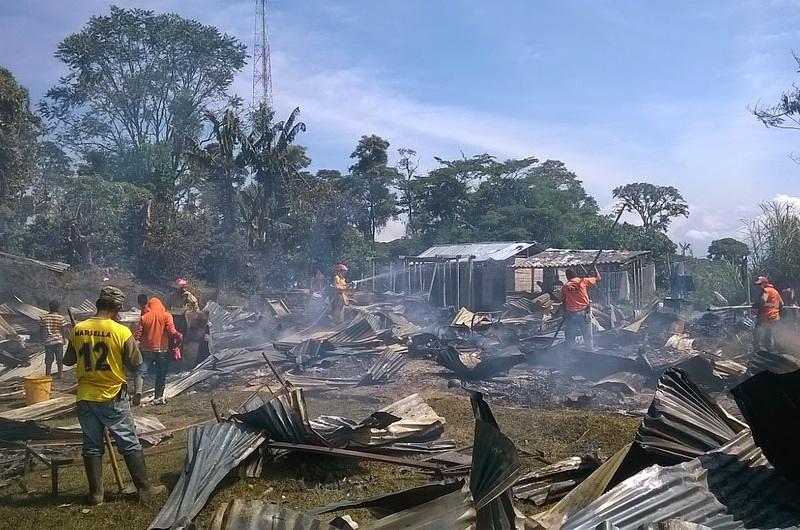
115 415
578 323
160 363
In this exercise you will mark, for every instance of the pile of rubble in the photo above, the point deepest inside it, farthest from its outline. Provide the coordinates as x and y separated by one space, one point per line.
691 462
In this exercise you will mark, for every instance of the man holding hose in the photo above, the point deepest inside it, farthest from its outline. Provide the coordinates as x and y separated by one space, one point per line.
577 307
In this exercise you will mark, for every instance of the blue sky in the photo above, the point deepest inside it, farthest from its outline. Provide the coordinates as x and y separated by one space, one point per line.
620 91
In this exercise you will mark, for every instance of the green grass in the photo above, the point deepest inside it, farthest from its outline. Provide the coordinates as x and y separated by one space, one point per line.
302 481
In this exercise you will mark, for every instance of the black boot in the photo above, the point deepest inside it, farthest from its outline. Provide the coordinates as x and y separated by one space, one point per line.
94 475
138 471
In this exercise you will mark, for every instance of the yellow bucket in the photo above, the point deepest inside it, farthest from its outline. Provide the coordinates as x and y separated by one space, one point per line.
37 388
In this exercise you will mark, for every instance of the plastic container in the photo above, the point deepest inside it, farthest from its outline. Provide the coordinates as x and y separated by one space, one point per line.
37 388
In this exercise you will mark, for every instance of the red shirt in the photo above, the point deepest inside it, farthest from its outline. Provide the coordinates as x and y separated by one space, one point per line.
575 294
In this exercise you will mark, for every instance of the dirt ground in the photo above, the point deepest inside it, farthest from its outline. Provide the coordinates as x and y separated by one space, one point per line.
305 481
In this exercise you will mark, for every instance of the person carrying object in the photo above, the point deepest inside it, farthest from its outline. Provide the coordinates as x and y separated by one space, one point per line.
577 307
101 349
153 332
54 331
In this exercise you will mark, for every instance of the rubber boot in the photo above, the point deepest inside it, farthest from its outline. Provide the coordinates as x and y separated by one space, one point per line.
94 475
138 471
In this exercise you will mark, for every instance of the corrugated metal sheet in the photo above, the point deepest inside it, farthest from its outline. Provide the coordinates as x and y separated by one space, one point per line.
450 358
484 504
550 483
683 422
731 488
212 452
250 515
467 318
6 329
16 307
221 362
561 258
46 410
358 333
284 417
55 266
771 405
497 251
409 420
384 368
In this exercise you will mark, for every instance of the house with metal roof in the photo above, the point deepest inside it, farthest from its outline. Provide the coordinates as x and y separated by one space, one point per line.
627 275
472 275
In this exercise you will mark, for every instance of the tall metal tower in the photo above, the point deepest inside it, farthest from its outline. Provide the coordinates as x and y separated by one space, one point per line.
262 64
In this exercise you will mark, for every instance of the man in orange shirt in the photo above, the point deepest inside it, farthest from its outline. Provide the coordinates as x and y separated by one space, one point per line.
769 306
153 332
577 307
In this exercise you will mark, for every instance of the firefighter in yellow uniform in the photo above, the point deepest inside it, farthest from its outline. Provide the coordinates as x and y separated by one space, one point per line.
102 349
340 299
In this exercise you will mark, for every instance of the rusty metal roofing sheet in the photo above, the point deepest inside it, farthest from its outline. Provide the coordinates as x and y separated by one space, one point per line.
771 405
450 358
497 251
558 258
249 515
212 452
730 488
16 307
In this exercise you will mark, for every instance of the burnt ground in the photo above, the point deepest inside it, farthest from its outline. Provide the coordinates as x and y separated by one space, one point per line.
303 481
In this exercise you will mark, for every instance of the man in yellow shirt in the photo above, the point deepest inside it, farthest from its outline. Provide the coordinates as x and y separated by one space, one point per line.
102 349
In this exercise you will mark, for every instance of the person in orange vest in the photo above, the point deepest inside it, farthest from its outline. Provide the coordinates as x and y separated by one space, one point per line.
769 306
577 307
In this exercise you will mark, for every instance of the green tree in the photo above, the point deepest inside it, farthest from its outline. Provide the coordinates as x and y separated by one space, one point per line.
136 78
656 205
728 249
442 199
19 131
369 184
407 167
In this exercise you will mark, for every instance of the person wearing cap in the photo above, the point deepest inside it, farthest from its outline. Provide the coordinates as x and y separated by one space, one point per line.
190 302
340 299
769 306
54 331
102 349
578 307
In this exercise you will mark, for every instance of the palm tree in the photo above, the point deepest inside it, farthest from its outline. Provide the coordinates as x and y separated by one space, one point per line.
276 164
223 162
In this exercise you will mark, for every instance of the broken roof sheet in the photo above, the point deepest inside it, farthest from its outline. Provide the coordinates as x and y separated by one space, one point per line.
683 422
730 488
55 266
559 258
497 251
212 452
771 405
44 410
248 515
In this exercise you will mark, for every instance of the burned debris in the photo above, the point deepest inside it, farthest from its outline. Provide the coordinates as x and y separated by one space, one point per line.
689 455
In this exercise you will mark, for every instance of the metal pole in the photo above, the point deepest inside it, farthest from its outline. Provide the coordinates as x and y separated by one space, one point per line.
458 283
444 283
373 274
471 296
391 275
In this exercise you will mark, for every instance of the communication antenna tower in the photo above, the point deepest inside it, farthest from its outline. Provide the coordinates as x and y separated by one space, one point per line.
262 64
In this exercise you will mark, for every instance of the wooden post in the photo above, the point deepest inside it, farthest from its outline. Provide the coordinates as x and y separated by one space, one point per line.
444 283
391 275
471 295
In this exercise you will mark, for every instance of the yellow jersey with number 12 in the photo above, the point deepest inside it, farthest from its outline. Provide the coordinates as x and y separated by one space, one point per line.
98 343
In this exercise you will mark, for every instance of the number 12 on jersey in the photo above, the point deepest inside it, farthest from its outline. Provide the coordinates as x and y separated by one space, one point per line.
101 363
